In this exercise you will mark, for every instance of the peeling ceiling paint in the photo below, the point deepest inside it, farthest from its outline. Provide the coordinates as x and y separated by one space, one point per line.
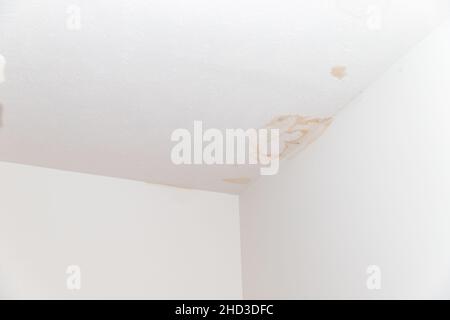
297 132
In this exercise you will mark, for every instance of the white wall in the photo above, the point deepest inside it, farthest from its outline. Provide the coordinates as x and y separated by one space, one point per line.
131 239
374 189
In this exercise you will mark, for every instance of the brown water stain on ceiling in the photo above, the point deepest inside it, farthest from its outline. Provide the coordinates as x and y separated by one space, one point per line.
297 132
339 72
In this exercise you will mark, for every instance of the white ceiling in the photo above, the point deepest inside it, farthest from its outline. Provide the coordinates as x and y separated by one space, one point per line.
104 99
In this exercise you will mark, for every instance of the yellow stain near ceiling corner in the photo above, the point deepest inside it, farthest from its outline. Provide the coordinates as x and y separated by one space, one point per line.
297 132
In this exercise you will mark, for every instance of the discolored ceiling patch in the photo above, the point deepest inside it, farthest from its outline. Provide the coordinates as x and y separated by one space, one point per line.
297 132
339 72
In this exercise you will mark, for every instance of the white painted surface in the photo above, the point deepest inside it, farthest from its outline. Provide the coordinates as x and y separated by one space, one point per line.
130 239
374 190
104 95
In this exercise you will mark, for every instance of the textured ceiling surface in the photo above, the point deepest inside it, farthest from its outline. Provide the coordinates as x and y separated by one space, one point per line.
98 86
